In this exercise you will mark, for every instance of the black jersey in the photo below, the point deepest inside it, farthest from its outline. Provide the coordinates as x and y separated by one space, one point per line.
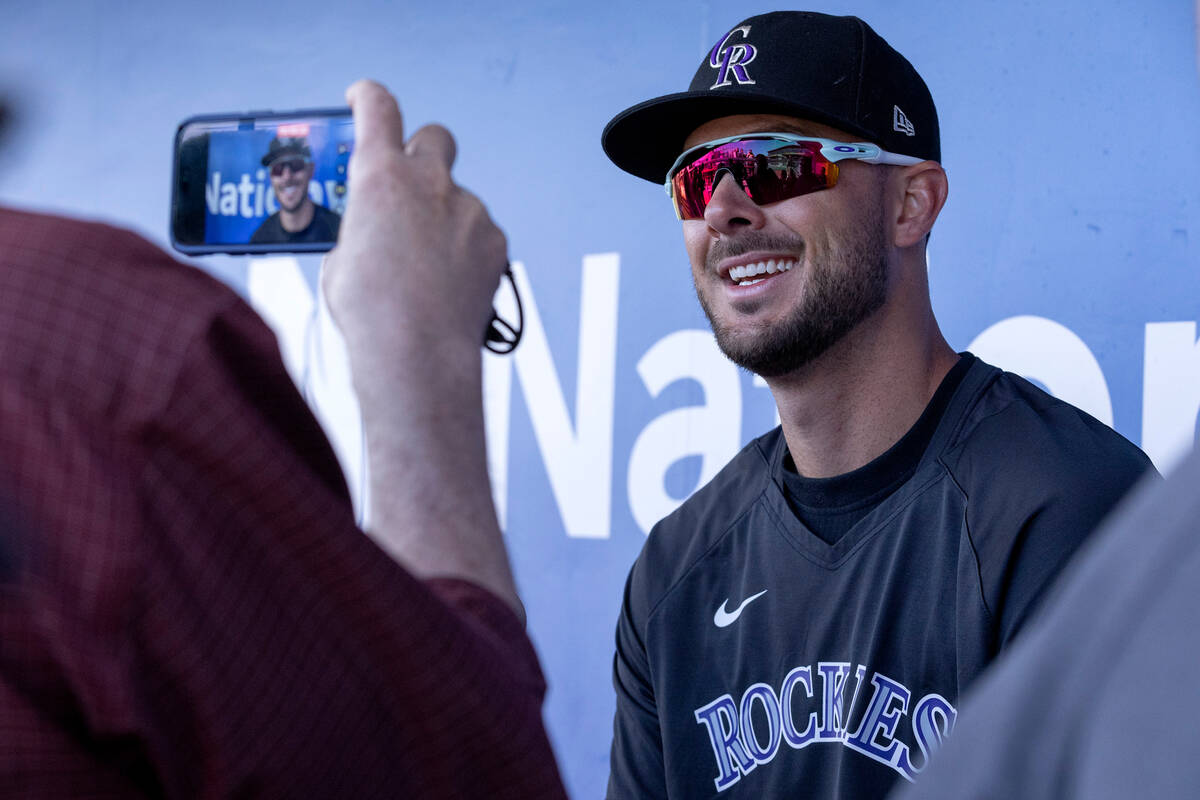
322 228
755 659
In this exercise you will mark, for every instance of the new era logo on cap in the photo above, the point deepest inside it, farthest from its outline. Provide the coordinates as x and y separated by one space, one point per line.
902 123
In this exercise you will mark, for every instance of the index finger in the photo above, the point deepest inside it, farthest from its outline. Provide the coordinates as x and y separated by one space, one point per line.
377 119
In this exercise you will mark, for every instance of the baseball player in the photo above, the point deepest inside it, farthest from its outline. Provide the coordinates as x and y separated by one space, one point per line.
804 625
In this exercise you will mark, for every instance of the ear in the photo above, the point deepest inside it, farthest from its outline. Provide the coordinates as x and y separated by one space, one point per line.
924 189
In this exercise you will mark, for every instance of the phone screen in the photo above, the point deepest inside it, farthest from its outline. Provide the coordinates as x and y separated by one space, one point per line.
261 182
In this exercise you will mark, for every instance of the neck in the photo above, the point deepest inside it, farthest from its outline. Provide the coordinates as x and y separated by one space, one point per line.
299 219
856 400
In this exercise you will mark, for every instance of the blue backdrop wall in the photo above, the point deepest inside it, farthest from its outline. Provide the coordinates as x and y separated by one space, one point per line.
1068 250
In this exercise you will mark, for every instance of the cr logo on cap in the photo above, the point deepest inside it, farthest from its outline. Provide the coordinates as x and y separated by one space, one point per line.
731 59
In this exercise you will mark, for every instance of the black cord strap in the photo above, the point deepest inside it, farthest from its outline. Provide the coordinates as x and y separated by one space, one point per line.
501 337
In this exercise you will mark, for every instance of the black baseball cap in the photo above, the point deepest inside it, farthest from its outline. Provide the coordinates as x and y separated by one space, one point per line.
833 70
296 146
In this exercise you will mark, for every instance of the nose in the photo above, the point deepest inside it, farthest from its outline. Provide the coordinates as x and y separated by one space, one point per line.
729 210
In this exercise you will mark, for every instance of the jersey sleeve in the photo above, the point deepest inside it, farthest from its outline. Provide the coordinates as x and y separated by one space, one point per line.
636 760
1040 478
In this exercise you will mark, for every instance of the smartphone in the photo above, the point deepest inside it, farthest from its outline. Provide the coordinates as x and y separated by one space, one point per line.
260 182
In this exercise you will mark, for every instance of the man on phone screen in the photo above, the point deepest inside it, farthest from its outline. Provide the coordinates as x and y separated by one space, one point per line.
290 163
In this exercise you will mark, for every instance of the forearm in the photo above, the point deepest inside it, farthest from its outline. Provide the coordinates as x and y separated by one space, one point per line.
430 496
410 285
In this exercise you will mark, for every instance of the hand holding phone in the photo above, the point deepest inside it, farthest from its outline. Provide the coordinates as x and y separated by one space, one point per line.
410 285
278 182
415 246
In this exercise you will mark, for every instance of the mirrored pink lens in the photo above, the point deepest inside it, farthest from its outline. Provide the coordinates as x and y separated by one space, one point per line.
294 164
768 170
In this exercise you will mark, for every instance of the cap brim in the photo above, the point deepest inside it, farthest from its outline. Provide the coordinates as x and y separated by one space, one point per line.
271 158
645 140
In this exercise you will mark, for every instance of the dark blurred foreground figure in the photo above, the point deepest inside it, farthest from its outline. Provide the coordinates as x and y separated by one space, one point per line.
186 606
1098 700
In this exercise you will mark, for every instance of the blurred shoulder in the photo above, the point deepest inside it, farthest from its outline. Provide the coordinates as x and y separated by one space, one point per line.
100 318
56 252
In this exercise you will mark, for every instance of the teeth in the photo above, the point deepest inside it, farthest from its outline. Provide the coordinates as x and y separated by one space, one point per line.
751 283
770 267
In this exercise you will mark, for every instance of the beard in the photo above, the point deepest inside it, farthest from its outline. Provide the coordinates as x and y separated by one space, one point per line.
839 293
281 190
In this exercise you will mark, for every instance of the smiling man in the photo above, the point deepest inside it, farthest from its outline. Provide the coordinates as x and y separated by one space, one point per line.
804 625
290 164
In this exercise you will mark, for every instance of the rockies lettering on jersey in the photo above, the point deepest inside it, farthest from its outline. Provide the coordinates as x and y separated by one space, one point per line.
748 734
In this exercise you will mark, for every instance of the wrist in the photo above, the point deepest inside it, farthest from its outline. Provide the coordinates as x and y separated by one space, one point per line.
420 376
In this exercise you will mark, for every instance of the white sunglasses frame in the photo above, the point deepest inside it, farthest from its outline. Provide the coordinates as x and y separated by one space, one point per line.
831 150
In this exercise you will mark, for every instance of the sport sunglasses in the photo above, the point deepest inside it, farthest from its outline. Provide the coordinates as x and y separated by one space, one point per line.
294 164
768 166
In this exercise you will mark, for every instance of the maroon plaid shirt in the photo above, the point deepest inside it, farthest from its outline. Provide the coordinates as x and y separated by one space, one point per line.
186 606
